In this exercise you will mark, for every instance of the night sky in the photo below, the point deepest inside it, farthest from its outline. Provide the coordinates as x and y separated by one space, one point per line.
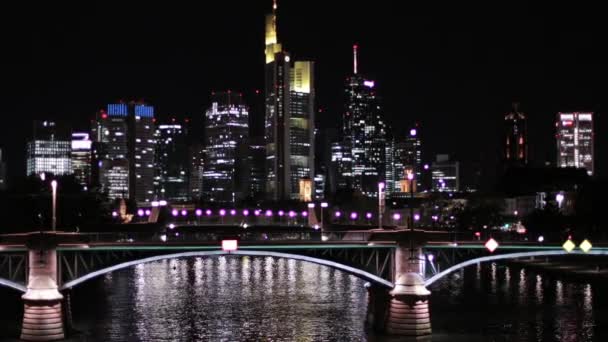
455 70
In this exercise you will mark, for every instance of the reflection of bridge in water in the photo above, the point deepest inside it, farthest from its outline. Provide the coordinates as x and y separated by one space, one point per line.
398 265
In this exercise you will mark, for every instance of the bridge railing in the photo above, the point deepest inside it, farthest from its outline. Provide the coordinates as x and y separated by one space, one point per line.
215 237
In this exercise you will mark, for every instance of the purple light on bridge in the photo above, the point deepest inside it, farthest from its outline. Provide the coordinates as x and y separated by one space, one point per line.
353 216
396 216
222 212
281 213
416 217
338 214
208 212
232 212
245 212
304 214
114 214
199 212
257 212
368 216
269 213
292 213
184 212
148 212
174 212
140 212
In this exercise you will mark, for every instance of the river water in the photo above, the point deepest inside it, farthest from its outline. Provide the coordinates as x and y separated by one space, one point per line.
271 299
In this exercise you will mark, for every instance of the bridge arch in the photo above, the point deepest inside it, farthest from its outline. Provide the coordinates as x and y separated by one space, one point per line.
369 277
13 285
464 264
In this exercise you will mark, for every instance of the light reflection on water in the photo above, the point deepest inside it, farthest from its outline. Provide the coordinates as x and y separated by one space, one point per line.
264 298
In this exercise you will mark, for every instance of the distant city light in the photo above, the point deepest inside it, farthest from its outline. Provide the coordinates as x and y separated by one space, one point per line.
353 216
174 212
199 212
229 245
368 215
184 212
396 216
413 132
324 204
369 84
245 212
338 214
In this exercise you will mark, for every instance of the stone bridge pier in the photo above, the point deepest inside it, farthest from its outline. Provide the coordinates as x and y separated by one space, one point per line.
404 310
42 313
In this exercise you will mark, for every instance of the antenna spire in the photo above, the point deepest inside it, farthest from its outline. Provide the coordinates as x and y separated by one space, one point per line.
355 58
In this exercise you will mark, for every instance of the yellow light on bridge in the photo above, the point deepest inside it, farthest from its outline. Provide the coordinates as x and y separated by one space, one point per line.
586 245
569 245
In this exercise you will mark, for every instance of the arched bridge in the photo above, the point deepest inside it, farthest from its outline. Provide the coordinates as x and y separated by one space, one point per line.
398 265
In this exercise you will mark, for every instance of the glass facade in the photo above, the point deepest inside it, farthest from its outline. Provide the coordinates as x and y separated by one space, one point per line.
172 169
50 150
575 141
226 173
257 156
81 157
445 175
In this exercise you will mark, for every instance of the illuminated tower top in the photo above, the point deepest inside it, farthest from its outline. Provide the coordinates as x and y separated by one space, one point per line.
272 43
355 58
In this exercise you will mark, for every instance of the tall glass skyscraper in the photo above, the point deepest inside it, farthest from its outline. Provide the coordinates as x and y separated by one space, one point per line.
575 140
407 158
516 139
124 137
172 169
81 158
50 150
226 173
364 132
289 119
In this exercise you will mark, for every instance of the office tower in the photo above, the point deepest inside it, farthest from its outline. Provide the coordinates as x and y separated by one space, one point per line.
49 151
289 118
257 159
226 173
320 184
445 174
81 158
196 156
124 145
341 162
141 152
407 158
301 125
364 132
516 139
172 167
575 140
110 166
3 181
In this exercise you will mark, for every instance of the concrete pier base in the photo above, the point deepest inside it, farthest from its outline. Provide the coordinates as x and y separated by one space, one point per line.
408 313
42 321
42 314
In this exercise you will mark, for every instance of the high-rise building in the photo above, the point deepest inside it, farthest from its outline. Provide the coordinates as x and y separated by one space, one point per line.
172 167
49 151
257 158
516 139
407 158
3 181
124 145
364 132
575 141
226 173
289 118
445 174
196 156
341 169
81 158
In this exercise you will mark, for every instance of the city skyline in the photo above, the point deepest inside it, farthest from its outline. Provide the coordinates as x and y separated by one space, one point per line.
422 87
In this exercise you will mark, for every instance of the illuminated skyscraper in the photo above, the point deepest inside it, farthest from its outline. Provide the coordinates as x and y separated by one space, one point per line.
49 151
81 158
226 172
445 174
257 158
364 132
516 139
172 169
124 147
289 118
407 158
575 140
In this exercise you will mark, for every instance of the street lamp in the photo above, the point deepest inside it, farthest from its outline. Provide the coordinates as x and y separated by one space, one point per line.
559 198
54 187
410 177
380 203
